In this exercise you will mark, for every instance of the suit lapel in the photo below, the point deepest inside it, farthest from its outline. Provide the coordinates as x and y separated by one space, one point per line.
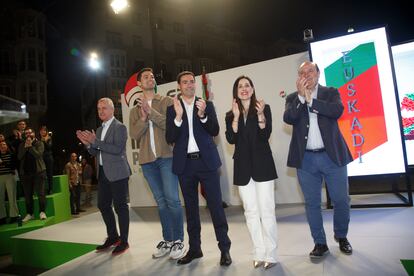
249 125
110 130
321 92
194 111
185 118
99 133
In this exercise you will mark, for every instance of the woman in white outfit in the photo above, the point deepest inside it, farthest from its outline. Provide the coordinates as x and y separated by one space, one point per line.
248 127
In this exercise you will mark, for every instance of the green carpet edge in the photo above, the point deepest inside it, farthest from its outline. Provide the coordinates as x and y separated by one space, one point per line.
49 254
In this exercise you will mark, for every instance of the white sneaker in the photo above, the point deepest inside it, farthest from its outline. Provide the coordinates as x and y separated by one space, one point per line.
42 216
177 250
27 218
163 248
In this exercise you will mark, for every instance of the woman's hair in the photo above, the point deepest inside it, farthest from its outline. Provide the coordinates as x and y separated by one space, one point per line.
252 107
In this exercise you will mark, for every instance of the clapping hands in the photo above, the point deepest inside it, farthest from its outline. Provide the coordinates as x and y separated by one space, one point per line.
86 137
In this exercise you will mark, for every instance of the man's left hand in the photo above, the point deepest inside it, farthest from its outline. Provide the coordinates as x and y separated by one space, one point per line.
145 106
308 95
201 105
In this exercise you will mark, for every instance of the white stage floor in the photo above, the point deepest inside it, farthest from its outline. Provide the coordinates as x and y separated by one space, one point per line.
380 238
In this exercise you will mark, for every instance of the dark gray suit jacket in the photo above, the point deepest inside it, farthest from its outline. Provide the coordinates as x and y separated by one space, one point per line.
112 149
329 108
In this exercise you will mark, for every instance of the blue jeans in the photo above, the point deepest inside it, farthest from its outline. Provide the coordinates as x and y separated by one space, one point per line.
315 167
164 186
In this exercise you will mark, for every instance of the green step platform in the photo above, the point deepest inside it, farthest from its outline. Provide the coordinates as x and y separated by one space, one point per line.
47 254
57 210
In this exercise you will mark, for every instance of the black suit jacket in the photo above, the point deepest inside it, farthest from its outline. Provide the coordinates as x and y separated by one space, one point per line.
252 154
329 108
203 135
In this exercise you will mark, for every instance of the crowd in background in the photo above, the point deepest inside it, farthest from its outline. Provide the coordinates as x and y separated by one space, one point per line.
27 168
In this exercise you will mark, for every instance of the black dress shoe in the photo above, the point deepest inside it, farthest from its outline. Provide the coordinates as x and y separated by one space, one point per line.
319 251
81 210
108 243
225 258
189 257
121 248
344 245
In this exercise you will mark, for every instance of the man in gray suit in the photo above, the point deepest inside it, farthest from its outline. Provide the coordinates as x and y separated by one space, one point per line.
319 151
108 145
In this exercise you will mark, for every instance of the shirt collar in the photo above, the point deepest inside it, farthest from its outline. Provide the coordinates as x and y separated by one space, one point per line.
107 123
315 92
157 97
189 105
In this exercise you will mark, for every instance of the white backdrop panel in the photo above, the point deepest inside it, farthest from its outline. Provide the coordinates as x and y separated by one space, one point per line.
269 77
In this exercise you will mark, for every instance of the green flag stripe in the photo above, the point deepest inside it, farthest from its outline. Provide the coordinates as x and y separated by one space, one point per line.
362 58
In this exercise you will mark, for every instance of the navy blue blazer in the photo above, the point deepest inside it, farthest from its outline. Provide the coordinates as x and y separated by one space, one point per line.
329 108
203 135
252 153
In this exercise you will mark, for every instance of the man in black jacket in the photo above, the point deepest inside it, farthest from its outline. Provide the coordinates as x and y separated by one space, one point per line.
191 126
33 172
318 151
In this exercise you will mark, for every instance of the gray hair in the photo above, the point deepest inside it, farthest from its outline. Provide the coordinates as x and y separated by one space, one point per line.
107 101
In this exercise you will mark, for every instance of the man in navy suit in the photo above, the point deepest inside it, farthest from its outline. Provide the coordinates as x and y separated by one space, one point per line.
108 146
318 151
191 126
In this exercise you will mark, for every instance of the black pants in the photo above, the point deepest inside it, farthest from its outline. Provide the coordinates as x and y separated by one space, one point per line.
115 192
49 174
75 194
194 173
33 182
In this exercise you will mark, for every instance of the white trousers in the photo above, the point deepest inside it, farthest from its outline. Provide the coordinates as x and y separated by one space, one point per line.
259 209
8 182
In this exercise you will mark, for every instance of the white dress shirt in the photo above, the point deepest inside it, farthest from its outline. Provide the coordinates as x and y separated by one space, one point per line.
151 131
192 144
314 134
105 126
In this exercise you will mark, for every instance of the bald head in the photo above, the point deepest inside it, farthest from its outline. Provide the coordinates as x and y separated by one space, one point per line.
310 72
309 64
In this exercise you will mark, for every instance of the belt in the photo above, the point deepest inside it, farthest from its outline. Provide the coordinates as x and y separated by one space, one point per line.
316 150
194 155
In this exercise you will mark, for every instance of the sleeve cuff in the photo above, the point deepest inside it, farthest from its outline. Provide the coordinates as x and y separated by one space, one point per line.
204 120
301 99
178 124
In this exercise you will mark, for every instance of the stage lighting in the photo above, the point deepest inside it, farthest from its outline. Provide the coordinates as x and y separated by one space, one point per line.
307 35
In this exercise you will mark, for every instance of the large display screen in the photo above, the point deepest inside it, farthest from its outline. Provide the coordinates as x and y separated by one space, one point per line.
403 56
359 66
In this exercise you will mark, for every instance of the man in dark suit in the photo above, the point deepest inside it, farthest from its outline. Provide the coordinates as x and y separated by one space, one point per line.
191 126
108 145
318 151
